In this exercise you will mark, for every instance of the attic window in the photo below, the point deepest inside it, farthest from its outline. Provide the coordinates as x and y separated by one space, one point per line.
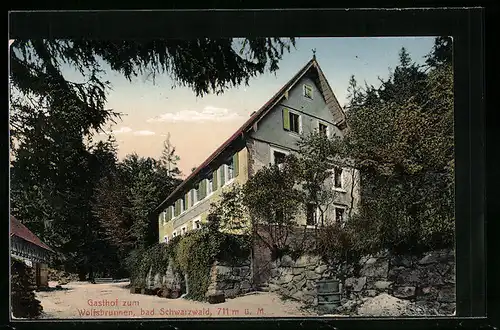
308 91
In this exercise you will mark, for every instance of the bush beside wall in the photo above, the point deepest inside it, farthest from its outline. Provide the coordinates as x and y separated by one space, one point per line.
24 303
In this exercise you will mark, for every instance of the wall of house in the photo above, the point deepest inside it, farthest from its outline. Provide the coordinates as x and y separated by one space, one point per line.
201 209
428 279
348 196
270 128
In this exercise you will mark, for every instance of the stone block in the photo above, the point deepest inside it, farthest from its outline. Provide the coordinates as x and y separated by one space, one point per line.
311 275
375 268
371 293
286 261
321 269
405 292
382 285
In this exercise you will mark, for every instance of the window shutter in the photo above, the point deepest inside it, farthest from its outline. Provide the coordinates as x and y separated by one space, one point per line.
286 119
177 207
222 171
203 188
236 164
214 182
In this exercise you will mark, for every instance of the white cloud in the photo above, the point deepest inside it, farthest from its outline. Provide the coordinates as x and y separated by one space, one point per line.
208 113
119 131
144 133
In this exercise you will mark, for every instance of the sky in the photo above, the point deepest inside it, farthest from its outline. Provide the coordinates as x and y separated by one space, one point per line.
198 125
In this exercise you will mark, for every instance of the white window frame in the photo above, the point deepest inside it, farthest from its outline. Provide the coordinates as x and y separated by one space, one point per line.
165 239
183 230
226 173
304 86
274 149
343 207
300 122
174 233
316 219
342 181
210 186
164 214
195 221
320 122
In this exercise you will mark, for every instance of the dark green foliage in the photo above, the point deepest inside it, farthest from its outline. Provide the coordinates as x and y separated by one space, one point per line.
24 303
401 138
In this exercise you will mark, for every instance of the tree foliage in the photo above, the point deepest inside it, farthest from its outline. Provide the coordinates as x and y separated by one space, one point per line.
401 136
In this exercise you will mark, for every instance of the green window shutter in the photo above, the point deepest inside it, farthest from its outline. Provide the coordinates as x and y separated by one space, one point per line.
286 119
214 182
186 201
222 175
203 188
177 207
236 164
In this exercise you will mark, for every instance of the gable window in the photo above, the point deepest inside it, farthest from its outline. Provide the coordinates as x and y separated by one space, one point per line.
337 178
308 91
292 121
311 214
340 214
323 129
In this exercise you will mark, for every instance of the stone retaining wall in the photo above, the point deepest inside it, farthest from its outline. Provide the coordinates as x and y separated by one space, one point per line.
428 279
230 279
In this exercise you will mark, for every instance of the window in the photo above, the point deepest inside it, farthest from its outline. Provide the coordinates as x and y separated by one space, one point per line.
230 169
197 224
174 234
323 129
311 214
337 177
339 214
308 91
165 239
210 185
294 123
183 230
278 157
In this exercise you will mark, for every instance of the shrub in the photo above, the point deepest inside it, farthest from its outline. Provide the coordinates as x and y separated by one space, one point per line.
24 303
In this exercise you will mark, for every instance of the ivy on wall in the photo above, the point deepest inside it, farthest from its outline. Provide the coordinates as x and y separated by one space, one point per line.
192 254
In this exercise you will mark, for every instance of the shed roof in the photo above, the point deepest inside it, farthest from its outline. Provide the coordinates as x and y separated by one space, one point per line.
21 231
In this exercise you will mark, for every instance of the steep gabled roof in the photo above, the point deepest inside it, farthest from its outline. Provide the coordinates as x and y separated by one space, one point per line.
322 84
20 230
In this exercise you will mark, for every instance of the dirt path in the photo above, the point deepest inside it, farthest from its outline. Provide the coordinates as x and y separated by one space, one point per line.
93 301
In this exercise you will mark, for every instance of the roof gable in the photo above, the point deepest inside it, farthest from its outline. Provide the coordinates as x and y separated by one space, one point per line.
312 67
